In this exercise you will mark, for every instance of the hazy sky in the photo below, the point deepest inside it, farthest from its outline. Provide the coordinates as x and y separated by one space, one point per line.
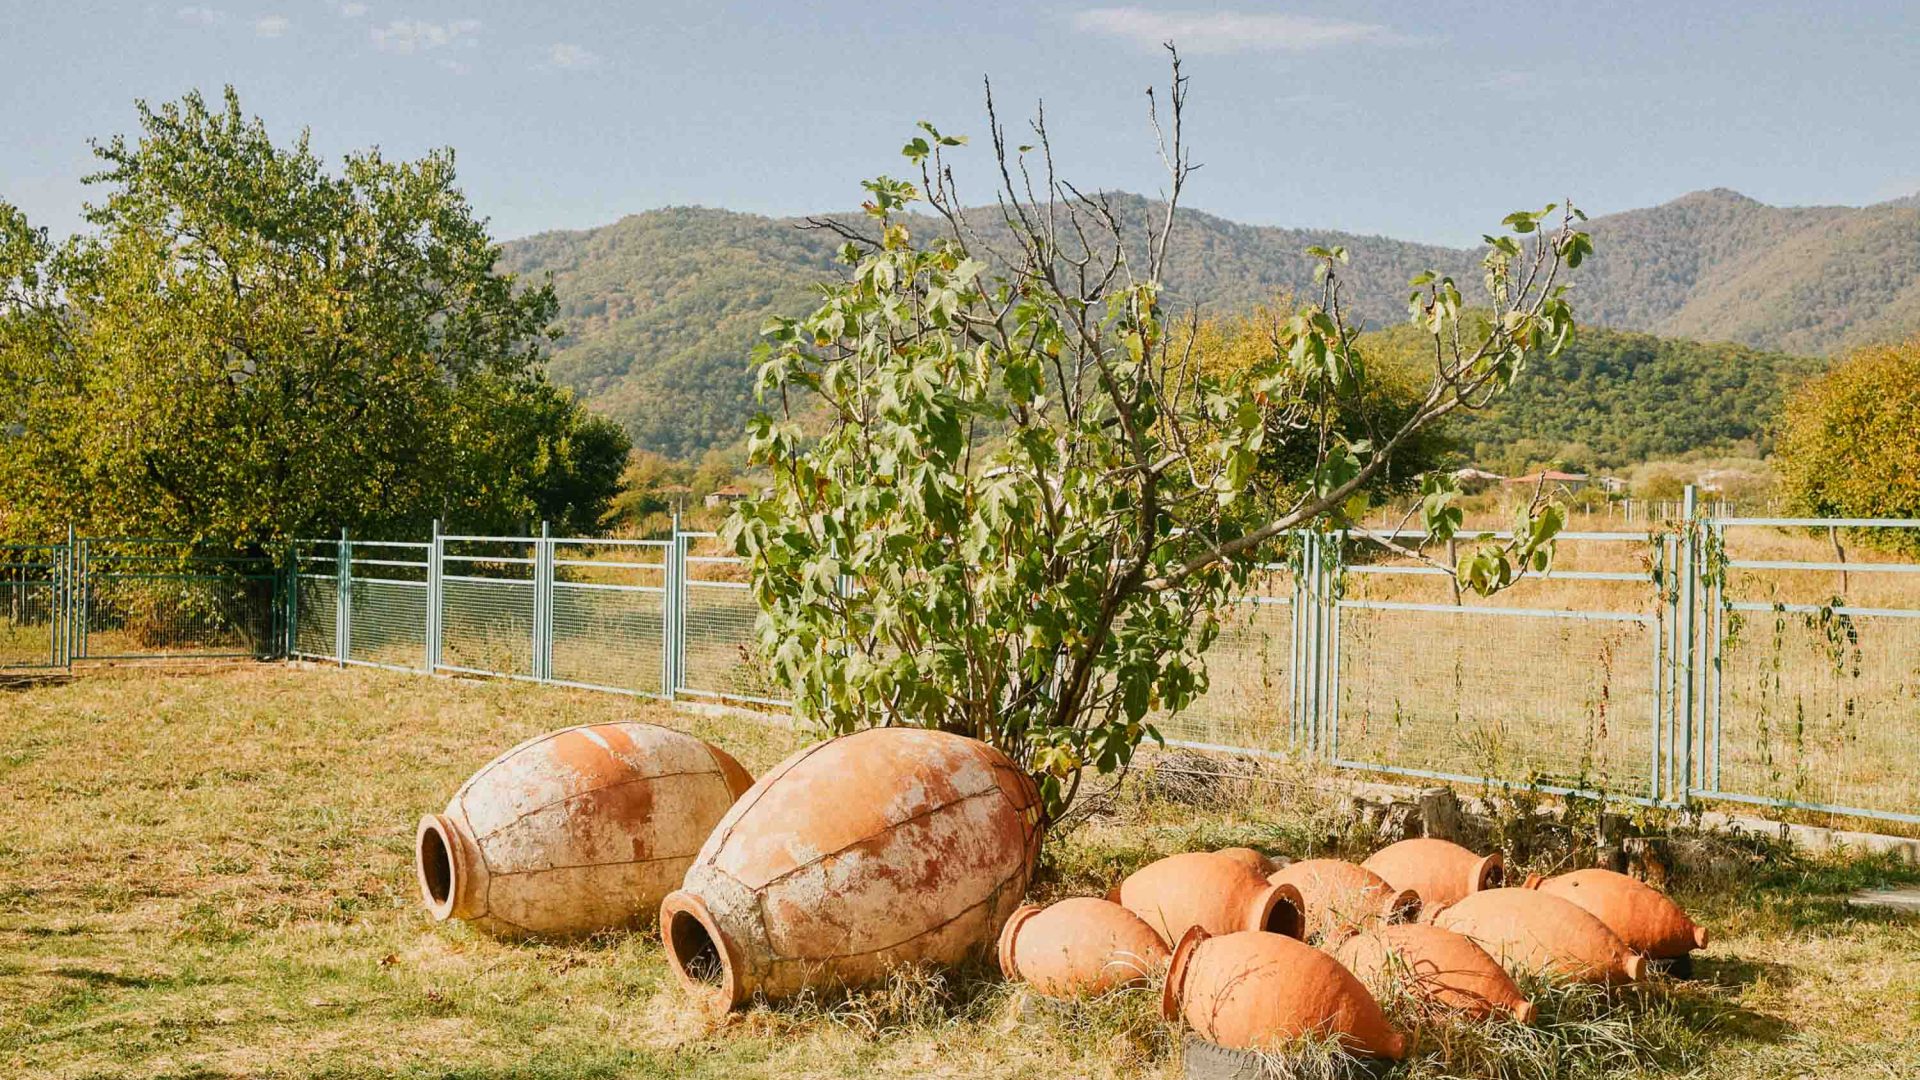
1421 121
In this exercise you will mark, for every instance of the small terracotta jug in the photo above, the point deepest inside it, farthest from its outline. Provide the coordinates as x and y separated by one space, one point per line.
575 831
1439 965
1534 932
1218 892
1081 947
1649 922
1441 871
1342 897
1252 858
1258 991
854 856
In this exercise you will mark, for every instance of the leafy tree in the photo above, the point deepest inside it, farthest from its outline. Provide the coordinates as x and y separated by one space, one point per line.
248 348
1050 588
1227 345
1850 439
643 487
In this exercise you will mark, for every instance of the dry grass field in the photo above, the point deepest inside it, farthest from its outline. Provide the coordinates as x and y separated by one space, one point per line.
208 874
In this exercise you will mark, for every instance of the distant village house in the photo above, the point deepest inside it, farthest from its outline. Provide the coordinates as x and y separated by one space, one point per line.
1550 478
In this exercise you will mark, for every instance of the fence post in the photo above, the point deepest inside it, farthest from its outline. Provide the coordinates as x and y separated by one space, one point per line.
1336 571
1296 565
83 599
543 605
1310 725
1662 670
343 599
670 623
1690 599
434 548
290 601
69 600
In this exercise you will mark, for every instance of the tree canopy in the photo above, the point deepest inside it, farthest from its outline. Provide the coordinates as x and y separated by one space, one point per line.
249 348
1230 345
1850 439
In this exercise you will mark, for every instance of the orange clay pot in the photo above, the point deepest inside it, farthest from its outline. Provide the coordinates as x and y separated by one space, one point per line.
1436 964
575 831
1441 871
1342 897
1258 991
1252 858
1532 931
889 846
1644 918
1080 947
1210 890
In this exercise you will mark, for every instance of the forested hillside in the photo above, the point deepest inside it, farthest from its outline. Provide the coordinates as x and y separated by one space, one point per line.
1627 397
1719 266
660 310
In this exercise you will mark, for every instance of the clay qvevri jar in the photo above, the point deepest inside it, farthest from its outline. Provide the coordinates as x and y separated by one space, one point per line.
1342 897
575 831
889 846
1253 990
1081 947
1254 859
1437 964
1210 890
1534 932
1441 871
1643 916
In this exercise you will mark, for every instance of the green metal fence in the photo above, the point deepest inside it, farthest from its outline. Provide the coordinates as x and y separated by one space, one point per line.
1765 661
135 598
33 606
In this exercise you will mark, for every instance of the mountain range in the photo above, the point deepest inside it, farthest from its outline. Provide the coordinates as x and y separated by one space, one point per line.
660 309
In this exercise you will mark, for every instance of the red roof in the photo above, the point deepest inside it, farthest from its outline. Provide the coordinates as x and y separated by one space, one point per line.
1551 476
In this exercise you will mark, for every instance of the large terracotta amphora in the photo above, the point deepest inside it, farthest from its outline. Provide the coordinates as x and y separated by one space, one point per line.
886 847
575 831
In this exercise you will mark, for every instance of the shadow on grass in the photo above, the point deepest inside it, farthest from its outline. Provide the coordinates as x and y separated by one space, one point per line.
96 977
1703 1003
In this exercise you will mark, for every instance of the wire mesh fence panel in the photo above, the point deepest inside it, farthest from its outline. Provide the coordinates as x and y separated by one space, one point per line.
316 607
609 636
1508 695
30 606
1250 667
609 617
489 604
721 654
1822 708
142 599
389 619
1813 695
387 603
487 625
134 616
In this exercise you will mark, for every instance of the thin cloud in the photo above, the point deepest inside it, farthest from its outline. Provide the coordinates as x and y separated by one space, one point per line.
572 56
199 16
353 11
271 26
409 36
1230 31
